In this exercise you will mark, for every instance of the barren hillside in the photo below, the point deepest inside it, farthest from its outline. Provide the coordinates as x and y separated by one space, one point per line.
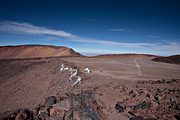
175 59
34 51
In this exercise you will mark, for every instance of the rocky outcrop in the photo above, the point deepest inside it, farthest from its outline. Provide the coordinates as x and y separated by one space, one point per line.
154 98
82 106
175 59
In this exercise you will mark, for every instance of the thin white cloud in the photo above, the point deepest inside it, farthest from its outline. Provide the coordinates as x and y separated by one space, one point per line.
112 43
29 29
120 30
15 27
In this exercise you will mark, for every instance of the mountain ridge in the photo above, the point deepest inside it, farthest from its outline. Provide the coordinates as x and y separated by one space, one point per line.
174 59
35 51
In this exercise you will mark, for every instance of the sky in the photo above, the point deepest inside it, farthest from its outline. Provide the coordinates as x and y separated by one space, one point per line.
93 27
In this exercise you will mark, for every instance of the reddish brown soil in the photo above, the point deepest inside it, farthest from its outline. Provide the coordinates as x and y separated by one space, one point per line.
34 51
131 80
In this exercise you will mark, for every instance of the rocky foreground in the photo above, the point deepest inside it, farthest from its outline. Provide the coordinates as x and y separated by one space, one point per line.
145 100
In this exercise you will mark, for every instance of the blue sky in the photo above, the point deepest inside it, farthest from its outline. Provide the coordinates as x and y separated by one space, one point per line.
93 26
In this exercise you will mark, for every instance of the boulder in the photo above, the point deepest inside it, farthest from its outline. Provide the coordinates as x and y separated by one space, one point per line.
50 101
83 106
36 111
120 107
20 114
143 105
43 113
9 115
24 114
60 108
177 116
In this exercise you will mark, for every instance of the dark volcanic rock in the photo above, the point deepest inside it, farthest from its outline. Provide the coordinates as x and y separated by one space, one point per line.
120 107
9 115
175 59
83 106
43 115
174 103
177 116
44 112
20 114
143 105
50 101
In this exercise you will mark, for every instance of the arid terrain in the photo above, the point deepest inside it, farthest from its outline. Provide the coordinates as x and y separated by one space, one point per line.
119 87
175 59
34 51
